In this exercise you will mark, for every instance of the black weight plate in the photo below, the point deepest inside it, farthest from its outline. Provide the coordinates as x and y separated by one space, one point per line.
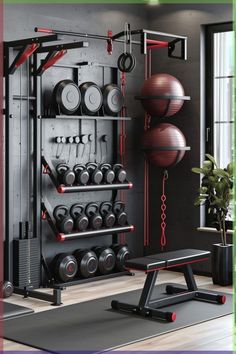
68 96
113 99
91 97
66 267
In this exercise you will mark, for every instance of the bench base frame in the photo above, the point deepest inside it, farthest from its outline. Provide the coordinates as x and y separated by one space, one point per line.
152 308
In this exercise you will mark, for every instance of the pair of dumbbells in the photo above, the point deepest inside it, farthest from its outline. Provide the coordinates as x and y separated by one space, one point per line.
87 263
90 173
92 216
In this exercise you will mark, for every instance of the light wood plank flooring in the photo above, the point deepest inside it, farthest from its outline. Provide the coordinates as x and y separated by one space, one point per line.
211 335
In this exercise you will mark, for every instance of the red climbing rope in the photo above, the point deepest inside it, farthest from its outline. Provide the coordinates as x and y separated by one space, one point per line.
163 210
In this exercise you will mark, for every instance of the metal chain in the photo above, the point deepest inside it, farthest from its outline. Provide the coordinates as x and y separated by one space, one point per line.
163 210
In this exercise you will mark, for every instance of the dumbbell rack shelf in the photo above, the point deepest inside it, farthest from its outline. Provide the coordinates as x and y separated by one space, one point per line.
87 117
47 215
61 188
77 281
94 187
92 233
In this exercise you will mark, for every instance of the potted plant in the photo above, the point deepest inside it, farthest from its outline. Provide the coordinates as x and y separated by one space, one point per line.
216 193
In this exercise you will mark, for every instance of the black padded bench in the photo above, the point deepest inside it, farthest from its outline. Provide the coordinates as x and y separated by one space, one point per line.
151 265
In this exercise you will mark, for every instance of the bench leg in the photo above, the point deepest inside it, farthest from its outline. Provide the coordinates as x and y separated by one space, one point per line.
204 296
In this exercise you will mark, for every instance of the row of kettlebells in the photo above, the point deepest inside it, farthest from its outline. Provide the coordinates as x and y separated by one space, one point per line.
91 173
92 216
87 263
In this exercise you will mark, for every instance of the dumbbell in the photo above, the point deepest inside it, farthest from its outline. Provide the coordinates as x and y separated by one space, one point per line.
122 254
81 174
65 175
119 211
95 173
106 259
95 219
7 289
65 267
87 262
64 221
108 173
107 214
120 173
81 220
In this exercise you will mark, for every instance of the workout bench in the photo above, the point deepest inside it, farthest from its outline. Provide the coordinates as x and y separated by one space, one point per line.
151 265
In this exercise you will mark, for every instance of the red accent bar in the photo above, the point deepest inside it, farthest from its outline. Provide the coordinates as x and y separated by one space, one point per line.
61 189
26 54
132 228
130 185
158 44
43 30
173 317
61 237
223 299
54 59
109 42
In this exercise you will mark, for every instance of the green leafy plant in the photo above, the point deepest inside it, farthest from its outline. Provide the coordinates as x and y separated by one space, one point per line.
216 192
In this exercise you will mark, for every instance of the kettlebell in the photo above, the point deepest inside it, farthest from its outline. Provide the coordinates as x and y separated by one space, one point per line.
122 254
64 221
65 174
95 219
65 267
107 214
87 262
81 221
81 174
108 173
7 289
106 259
120 172
119 211
95 173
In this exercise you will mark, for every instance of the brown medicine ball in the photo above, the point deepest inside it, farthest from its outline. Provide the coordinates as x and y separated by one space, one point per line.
164 135
162 85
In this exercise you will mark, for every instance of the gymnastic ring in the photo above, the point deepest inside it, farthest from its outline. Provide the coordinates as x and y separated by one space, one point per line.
122 62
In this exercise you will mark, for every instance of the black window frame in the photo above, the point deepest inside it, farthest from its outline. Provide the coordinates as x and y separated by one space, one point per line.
210 30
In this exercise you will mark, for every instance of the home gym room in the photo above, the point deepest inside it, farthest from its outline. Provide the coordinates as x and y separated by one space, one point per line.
117 164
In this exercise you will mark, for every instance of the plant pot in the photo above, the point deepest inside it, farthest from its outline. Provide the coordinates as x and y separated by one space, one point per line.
222 264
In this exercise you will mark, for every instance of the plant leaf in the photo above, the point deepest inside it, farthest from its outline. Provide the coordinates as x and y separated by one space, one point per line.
197 170
221 173
211 158
230 169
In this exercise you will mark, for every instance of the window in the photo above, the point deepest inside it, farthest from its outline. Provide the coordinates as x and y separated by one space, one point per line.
219 94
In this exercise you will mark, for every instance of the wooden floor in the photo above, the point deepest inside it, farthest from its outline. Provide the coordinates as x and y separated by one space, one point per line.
211 335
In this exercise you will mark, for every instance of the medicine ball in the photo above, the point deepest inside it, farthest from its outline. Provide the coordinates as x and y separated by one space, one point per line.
159 143
162 85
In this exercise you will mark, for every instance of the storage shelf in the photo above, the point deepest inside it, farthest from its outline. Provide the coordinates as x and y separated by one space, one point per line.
87 117
78 281
92 233
96 187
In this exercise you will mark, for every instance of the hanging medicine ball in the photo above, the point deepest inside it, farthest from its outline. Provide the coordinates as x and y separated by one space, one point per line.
65 267
87 262
113 99
164 145
67 96
153 91
91 98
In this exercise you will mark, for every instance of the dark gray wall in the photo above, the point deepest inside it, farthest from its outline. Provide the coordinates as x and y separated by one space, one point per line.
182 217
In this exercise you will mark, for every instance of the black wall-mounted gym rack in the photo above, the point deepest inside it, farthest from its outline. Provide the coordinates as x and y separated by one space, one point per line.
26 58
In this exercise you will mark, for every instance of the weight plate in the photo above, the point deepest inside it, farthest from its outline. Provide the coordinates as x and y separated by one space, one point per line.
68 96
89 264
113 99
91 97
66 267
